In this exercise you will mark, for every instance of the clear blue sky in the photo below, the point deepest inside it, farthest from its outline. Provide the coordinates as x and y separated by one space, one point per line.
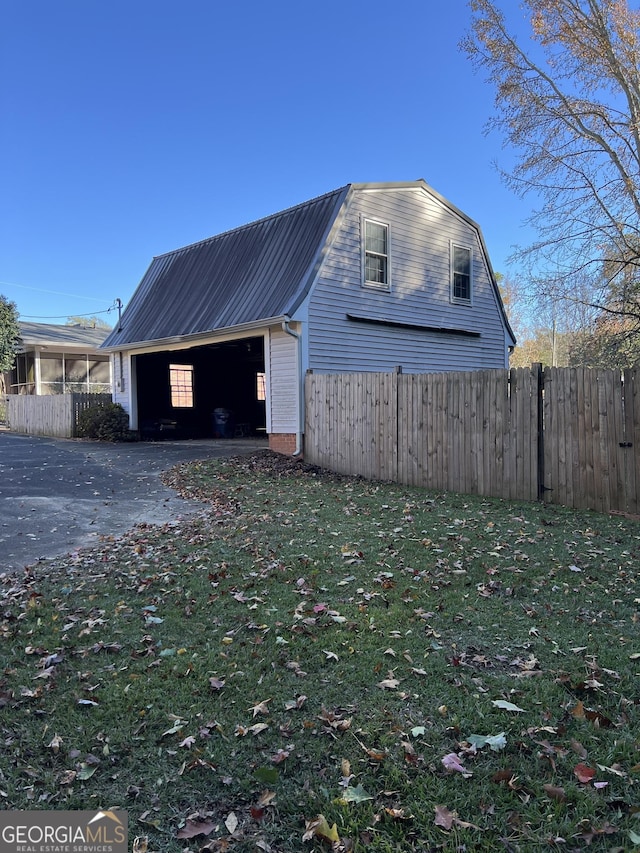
133 127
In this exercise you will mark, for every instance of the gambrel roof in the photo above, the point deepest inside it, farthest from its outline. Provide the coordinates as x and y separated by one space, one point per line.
244 276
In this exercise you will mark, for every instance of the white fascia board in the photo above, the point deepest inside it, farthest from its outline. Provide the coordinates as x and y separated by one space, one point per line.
188 341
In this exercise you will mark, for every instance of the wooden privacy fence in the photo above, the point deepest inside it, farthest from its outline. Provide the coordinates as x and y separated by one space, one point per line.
55 415
564 435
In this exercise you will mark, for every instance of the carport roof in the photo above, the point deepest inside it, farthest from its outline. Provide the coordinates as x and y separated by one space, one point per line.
257 272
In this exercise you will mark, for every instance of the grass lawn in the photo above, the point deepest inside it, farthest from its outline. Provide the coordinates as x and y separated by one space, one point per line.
317 663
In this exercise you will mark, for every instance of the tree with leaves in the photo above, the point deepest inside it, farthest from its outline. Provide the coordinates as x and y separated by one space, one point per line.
568 106
88 322
9 334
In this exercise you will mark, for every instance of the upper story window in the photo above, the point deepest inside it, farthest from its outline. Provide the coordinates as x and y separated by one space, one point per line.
376 254
460 274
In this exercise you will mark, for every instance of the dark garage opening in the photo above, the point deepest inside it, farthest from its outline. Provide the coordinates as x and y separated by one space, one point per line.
216 391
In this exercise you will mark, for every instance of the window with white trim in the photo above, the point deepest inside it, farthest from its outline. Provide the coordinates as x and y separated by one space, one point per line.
460 274
181 383
376 254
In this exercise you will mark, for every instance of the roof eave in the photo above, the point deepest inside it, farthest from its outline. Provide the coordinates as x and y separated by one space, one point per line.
211 335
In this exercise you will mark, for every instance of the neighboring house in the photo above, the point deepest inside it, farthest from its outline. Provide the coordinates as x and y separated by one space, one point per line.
55 359
366 278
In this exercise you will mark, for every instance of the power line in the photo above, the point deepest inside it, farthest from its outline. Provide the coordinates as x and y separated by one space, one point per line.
55 292
62 316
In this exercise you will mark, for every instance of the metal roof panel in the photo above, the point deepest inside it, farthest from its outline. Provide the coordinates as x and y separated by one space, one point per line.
241 276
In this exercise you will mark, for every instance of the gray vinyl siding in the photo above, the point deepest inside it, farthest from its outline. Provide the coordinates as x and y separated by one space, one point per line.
421 230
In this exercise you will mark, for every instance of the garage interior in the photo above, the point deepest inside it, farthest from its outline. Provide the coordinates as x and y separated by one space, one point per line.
212 391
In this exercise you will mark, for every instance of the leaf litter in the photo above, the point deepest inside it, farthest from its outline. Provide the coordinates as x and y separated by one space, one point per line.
185 646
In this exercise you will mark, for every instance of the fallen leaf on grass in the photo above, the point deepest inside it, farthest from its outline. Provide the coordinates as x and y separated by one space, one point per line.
54 744
86 771
389 683
398 814
495 742
595 717
335 722
260 708
231 822
175 728
355 795
555 793
265 799
266 775
280 756
504 775
578 748
590 832
295 704
446 819
256 813
319 828
452 764
615 770
192 828
584 773
507 706
68 777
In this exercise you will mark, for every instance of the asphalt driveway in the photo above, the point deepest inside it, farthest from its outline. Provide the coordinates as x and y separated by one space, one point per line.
58 495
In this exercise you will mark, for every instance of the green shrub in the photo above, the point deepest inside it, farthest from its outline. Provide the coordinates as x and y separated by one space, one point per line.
104 422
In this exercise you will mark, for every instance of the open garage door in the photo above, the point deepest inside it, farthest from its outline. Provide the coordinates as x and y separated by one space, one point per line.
216 390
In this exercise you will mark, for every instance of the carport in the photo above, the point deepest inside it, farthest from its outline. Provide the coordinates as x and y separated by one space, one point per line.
216 390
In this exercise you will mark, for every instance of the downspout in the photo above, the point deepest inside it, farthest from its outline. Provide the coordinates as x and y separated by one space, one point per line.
286 328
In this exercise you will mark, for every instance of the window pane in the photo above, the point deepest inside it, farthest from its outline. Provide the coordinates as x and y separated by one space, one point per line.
75 370
461 260
181 382
261 387
51 368
376 238
461 273
376 269
460 286
99 372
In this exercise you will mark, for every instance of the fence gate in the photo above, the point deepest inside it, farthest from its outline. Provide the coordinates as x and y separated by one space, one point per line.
592 438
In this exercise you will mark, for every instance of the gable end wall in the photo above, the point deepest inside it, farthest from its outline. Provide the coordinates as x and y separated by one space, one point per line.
421 229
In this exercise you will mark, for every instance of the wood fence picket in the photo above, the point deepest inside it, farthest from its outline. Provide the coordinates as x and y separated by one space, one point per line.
55 415
566 435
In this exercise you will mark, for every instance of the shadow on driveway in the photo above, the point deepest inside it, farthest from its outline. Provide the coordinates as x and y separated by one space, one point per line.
58 495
